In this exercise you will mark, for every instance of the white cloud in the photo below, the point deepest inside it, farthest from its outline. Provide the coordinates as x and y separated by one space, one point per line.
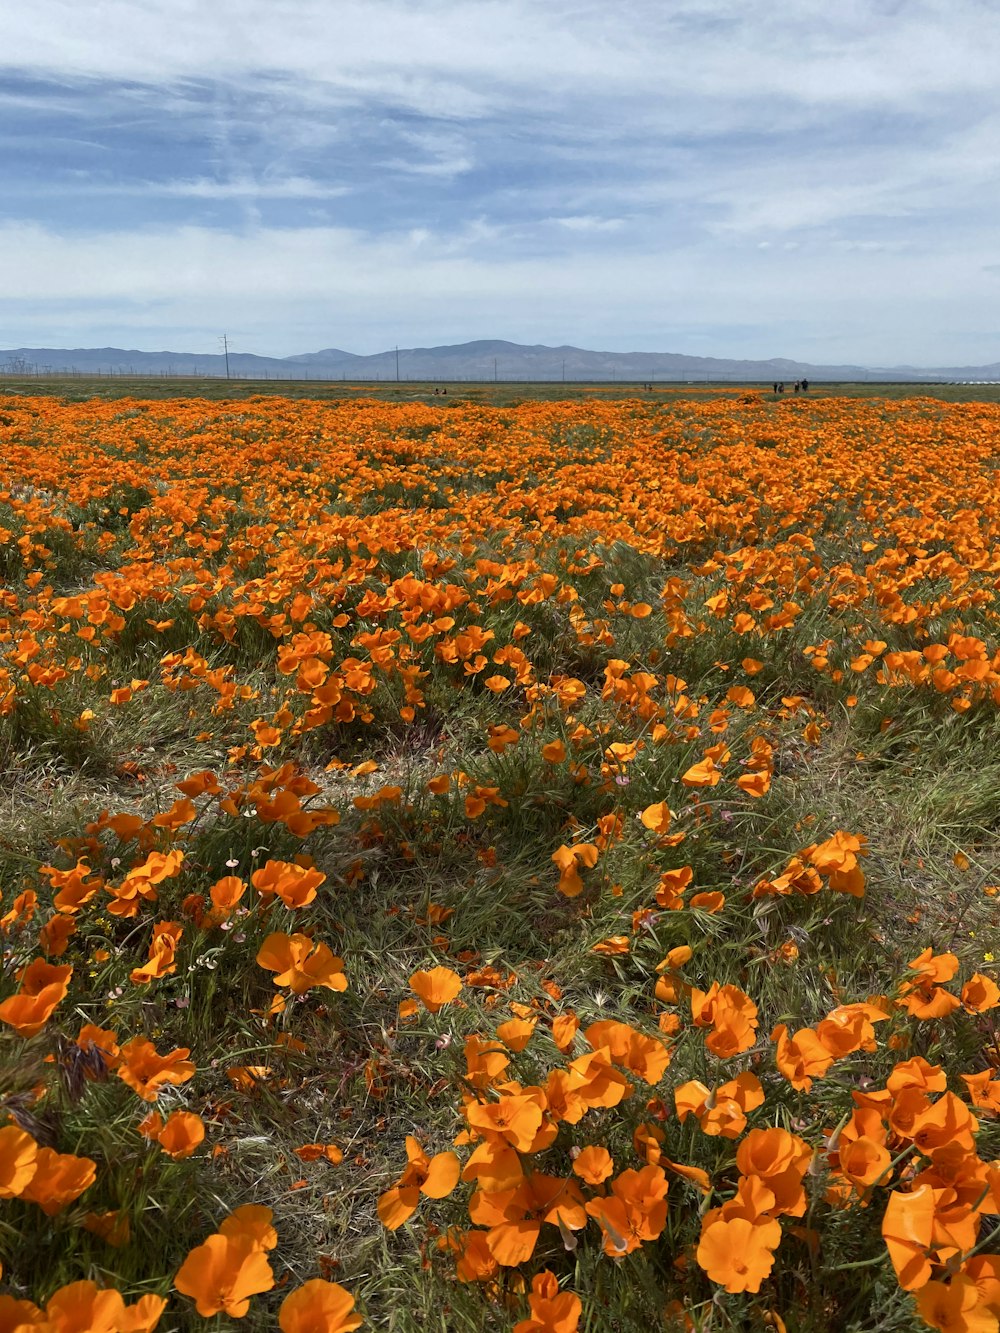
285 291
770 177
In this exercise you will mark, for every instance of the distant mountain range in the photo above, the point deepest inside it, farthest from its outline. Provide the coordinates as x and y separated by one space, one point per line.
483 360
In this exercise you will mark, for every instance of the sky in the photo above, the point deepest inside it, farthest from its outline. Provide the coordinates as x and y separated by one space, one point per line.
725 177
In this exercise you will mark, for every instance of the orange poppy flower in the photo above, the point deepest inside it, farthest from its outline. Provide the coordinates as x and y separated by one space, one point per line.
434 1177
514 1217
143 1315
181 1135
223 1273
146 1072
83 1305
516 1032
293 884
980 993
656 817
162 952
113 1227
738 1254
955 1307
781 1159
20 1316
18 1161
301 963
646 1056
42 985
634 1212
552 1310
252 1220
593 1165
58 1179
318 1307
705 773
436 988
800 1058
908 1229
568 859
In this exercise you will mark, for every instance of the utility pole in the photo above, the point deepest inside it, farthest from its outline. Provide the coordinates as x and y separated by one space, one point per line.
225 349
397 365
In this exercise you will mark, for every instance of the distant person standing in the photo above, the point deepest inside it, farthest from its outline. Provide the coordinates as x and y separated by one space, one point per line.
775 386
805 386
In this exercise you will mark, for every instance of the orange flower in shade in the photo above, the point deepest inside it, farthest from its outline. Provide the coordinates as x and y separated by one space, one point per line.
474 1261
222 1274
59 1178
18 1161
41 986
568 859
514 1217
146 1072
908 1230
301 963
318 1307
103 1042
984 1270
738 1254
634 1212
113 1228
984 1091
552 1310
436 988
955 1307
21 1317
434 1177
55 935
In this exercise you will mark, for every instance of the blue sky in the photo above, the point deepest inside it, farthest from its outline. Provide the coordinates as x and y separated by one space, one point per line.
734 179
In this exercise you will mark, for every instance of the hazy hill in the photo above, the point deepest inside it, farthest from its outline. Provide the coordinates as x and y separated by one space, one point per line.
485 359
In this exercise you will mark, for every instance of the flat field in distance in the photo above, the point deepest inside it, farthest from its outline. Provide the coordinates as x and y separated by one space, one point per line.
524 860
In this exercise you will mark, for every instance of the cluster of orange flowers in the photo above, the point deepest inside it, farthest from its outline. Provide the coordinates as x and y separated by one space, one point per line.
311 586
913 1138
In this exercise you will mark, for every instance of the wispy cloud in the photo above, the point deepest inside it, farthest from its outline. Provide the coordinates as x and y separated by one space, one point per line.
743 172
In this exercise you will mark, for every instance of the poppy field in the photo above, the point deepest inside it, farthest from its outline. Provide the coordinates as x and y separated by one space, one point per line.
523 867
